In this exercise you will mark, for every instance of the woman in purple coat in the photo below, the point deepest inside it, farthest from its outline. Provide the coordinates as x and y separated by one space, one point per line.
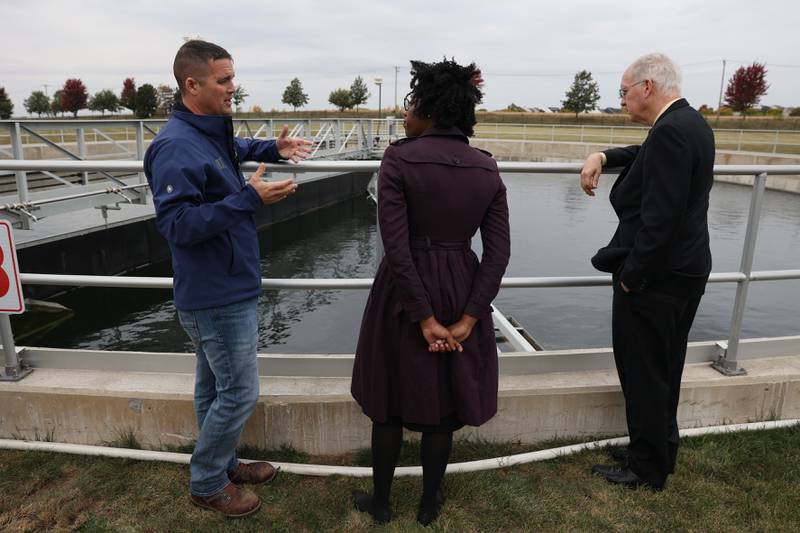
426 357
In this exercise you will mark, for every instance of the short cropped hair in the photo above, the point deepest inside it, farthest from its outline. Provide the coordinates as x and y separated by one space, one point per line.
659 68
446 92
192 59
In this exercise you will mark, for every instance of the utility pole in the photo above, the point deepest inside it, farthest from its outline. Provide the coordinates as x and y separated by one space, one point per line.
721 84
46 85
396 70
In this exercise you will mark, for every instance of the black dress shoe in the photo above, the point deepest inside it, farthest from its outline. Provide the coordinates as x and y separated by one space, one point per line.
623 475
363 502
619 453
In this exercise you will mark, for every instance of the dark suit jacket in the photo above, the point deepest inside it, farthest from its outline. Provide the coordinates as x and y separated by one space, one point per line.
661 200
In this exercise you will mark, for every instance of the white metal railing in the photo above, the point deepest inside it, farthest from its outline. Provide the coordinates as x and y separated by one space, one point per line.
726 363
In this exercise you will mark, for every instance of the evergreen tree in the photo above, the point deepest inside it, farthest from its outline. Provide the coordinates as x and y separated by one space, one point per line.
55 103
358 92
583 95
6 105
38 103
146 101
294 95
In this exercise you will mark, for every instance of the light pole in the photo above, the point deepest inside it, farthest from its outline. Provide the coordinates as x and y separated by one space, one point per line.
379 82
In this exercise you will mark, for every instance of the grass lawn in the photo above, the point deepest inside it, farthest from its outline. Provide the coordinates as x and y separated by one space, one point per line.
735 482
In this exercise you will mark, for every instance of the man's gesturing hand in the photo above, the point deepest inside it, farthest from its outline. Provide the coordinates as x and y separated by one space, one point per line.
271 191
590 173
293 148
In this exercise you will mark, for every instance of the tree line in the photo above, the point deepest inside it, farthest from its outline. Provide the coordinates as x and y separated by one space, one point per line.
744 90
144 101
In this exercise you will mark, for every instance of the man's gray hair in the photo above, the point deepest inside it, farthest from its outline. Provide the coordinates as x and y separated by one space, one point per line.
661 70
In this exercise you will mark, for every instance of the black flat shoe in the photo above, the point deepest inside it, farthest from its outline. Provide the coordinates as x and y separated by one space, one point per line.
363 503
623 475
426 516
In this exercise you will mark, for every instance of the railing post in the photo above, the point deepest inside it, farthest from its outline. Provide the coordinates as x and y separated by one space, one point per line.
775 143
739 141
21 175
611 141
552 132
13 369
140 156
726 363
581 133
81 138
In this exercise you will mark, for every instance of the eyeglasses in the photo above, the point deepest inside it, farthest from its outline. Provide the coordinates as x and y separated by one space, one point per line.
623 92
408 101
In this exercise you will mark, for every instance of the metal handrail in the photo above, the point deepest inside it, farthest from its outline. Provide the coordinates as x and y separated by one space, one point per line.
153 282
363 166
726 363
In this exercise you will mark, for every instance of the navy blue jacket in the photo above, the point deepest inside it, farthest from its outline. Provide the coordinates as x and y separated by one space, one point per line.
205 208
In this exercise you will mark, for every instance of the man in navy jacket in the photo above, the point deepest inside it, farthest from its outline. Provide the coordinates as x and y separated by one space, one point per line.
205 209
660 260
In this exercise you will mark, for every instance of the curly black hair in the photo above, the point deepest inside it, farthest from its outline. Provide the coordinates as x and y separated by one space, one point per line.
446 92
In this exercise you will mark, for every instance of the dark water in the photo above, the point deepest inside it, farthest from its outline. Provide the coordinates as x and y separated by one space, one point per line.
555 229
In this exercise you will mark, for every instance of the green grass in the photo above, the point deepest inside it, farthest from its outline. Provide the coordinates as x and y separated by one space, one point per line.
736 482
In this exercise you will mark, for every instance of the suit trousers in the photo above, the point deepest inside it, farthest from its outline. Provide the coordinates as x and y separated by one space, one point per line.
650 330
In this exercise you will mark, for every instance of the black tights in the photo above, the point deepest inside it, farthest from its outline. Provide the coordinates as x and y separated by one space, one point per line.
434 453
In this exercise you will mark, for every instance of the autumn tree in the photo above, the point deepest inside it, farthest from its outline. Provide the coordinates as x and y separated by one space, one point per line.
146 101
358 92
38 103
341 98
583 95
127 98
74 96
293 95
746 87
239 94
6 105
103 101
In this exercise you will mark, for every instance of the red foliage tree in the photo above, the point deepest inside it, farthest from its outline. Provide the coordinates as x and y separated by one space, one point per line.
127 98
74 96
746 87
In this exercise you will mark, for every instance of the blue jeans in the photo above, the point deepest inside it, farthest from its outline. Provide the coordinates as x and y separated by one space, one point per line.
225 390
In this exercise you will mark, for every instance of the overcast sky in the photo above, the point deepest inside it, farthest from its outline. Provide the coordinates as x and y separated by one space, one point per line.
529 51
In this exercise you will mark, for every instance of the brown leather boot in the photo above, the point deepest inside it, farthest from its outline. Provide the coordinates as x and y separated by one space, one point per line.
232 501
253 473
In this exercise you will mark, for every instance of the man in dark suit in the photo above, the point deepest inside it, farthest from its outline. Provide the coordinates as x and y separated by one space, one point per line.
660 260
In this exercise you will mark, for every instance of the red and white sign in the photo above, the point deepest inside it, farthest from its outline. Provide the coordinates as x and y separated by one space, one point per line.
11 300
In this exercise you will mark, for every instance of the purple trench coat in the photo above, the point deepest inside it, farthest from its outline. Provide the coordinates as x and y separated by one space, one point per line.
434 192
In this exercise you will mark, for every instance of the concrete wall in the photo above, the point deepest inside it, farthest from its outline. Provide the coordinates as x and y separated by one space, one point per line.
318 416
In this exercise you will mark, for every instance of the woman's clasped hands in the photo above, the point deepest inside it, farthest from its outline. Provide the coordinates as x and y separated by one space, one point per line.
446 339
